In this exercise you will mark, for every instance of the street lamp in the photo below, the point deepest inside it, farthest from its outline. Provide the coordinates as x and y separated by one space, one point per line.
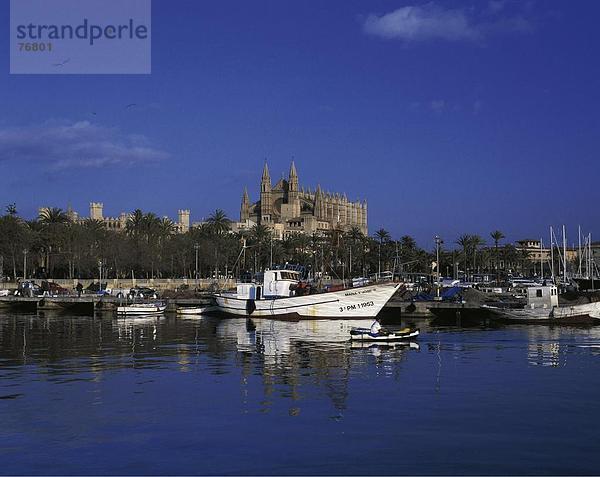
196 247
25 252
438 242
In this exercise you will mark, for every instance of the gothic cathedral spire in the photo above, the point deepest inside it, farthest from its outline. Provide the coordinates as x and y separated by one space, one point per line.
245 208
266 202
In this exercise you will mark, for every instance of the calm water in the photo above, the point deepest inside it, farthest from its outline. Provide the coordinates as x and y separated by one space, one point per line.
82 395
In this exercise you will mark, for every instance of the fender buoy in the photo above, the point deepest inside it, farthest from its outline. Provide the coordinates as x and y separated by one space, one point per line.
250 307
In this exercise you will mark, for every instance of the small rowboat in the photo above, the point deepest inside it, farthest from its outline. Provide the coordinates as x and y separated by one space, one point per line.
364 334
193 310
142 309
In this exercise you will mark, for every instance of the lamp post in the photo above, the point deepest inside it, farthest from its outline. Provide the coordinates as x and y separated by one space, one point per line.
438 242
379 261
25 252
196 247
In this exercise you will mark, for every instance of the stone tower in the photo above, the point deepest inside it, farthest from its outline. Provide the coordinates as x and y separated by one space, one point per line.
183 220
319 205
245 208
294 192
96 211
266 204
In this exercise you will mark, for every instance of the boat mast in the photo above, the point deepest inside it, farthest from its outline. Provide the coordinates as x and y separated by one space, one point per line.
541 260
591 259
552 253
564 254
580 256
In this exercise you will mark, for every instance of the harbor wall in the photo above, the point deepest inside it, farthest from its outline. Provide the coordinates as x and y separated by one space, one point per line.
155 283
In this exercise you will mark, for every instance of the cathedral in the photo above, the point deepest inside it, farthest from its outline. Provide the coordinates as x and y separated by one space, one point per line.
286 208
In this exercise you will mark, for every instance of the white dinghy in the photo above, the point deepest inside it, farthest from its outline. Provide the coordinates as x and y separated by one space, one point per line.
142 309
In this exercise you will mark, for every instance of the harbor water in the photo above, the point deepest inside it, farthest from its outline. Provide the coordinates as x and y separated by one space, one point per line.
201 395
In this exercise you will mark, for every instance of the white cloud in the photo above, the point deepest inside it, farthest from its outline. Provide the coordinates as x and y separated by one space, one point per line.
80 144
427 22
418 23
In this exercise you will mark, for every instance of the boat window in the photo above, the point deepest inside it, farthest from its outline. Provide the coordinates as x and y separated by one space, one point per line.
539 293
287 276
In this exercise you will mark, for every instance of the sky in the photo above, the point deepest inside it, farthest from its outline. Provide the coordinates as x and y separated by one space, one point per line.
449 117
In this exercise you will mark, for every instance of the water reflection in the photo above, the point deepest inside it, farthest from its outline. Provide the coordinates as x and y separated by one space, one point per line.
178 383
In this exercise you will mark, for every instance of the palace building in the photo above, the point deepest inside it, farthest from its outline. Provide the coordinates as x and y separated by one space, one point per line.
287 208
119 223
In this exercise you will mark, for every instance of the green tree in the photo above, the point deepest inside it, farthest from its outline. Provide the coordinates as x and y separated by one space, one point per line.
54 223
497 235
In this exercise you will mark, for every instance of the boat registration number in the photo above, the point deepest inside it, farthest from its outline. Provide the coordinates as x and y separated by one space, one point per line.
356 306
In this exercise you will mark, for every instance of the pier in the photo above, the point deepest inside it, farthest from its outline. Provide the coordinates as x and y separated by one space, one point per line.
86 304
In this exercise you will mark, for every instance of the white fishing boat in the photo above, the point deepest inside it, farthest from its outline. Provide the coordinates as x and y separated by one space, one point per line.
142 309
282 294
364 334
542 307
194 310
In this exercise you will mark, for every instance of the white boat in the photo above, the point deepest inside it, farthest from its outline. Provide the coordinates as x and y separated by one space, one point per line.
142 309
542 307
194 310
364 334
282 295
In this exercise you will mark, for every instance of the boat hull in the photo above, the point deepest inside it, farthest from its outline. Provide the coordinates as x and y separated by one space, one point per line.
588 313
141 310
361 302
196 310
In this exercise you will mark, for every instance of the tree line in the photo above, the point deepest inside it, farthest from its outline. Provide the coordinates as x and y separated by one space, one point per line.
54 246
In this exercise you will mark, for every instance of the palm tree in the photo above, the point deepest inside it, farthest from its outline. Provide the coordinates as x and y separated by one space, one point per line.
260 236
135 223
497 235
53 222
476 242
356 241
465 242
219 222
53 215
383 236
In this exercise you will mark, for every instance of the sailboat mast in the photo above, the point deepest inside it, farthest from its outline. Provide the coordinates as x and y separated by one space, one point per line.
552 253
591 259
541 259
564 254
580 257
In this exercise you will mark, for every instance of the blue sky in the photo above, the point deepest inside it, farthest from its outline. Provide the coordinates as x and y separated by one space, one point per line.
449 117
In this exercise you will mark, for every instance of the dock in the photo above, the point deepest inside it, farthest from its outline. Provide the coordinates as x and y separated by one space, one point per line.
86 304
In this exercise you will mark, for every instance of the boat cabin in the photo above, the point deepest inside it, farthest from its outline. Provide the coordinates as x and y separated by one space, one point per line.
542 297
276 284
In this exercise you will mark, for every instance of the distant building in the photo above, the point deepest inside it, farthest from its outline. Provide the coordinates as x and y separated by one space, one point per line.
536 251
119 223
287 208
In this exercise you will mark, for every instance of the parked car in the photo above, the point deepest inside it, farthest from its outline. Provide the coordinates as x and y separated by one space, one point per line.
53 289
29 289
142 292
